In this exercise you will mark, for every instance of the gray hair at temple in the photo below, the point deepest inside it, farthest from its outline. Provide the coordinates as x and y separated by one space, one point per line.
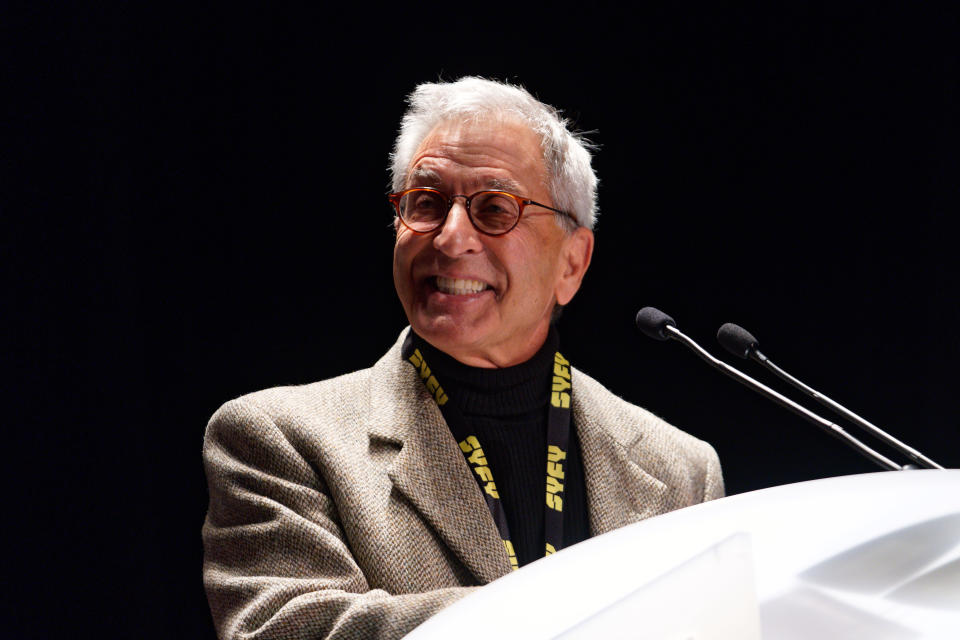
566 154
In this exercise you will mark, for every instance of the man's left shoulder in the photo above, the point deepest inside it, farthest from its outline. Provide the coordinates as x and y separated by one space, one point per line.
670 454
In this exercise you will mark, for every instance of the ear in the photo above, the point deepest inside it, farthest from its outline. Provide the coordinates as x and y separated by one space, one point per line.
574 260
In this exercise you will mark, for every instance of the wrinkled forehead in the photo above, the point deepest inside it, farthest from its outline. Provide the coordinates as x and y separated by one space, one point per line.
427 177
503 151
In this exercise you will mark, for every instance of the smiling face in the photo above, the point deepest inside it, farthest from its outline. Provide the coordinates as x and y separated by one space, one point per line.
484 300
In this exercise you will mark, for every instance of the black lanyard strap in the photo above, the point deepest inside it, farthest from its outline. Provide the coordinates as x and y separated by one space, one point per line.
558 439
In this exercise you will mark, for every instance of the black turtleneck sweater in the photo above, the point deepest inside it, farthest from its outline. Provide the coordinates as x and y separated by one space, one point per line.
506 409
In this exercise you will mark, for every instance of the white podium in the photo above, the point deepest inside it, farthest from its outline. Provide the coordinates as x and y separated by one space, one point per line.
873 556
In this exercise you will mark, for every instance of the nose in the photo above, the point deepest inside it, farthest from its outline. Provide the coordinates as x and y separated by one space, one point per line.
458 236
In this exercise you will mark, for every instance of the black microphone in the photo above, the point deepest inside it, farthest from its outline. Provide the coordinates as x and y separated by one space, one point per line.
654 322
660 326
737 340
741 343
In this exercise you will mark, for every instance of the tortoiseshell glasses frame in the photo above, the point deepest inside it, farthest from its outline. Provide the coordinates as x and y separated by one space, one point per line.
498 212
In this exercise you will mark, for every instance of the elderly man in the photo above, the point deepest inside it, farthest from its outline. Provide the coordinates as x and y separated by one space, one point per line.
357 507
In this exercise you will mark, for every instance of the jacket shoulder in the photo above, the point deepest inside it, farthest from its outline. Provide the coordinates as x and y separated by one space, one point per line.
670 454
337 408
315 396
279 427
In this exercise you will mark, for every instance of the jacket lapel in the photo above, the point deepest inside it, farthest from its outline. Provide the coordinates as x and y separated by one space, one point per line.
430 470
619 490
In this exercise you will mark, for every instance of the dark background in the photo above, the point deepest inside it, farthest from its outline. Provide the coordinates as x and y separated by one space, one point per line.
193 209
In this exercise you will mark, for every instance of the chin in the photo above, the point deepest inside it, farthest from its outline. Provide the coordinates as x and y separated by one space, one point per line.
448 334
441 332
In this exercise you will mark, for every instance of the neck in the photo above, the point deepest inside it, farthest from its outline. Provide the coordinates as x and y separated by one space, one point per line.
502 391
500 356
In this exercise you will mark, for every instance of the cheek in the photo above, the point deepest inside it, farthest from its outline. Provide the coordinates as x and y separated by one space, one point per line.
532 268
401 266
403 250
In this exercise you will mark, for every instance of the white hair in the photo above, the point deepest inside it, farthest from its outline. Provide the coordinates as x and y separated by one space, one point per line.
566 154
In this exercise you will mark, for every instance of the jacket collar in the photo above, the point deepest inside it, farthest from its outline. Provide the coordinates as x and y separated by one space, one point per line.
430 471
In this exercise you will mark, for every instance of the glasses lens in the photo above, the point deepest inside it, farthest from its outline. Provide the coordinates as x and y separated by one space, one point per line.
494 212
422 210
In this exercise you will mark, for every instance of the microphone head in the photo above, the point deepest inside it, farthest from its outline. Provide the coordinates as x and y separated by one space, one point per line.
652 322
737 340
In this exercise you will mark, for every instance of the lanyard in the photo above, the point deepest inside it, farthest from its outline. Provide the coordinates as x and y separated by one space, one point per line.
558 440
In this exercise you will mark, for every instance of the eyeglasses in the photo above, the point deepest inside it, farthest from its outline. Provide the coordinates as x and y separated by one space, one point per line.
492 212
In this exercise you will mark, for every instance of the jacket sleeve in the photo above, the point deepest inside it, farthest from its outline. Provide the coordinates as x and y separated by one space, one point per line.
276 561
713 487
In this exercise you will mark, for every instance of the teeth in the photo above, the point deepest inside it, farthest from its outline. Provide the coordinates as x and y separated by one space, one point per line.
459 287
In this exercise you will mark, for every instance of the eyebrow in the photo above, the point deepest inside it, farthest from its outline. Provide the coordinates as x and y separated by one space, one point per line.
501 184
424 176
428 177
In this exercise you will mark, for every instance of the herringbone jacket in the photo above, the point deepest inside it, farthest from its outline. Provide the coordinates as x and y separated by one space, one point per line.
345 508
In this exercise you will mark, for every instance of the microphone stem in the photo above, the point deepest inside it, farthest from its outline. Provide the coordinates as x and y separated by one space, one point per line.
915 455
831 428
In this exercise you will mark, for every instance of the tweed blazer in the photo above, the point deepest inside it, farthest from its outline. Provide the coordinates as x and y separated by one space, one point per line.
345 509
